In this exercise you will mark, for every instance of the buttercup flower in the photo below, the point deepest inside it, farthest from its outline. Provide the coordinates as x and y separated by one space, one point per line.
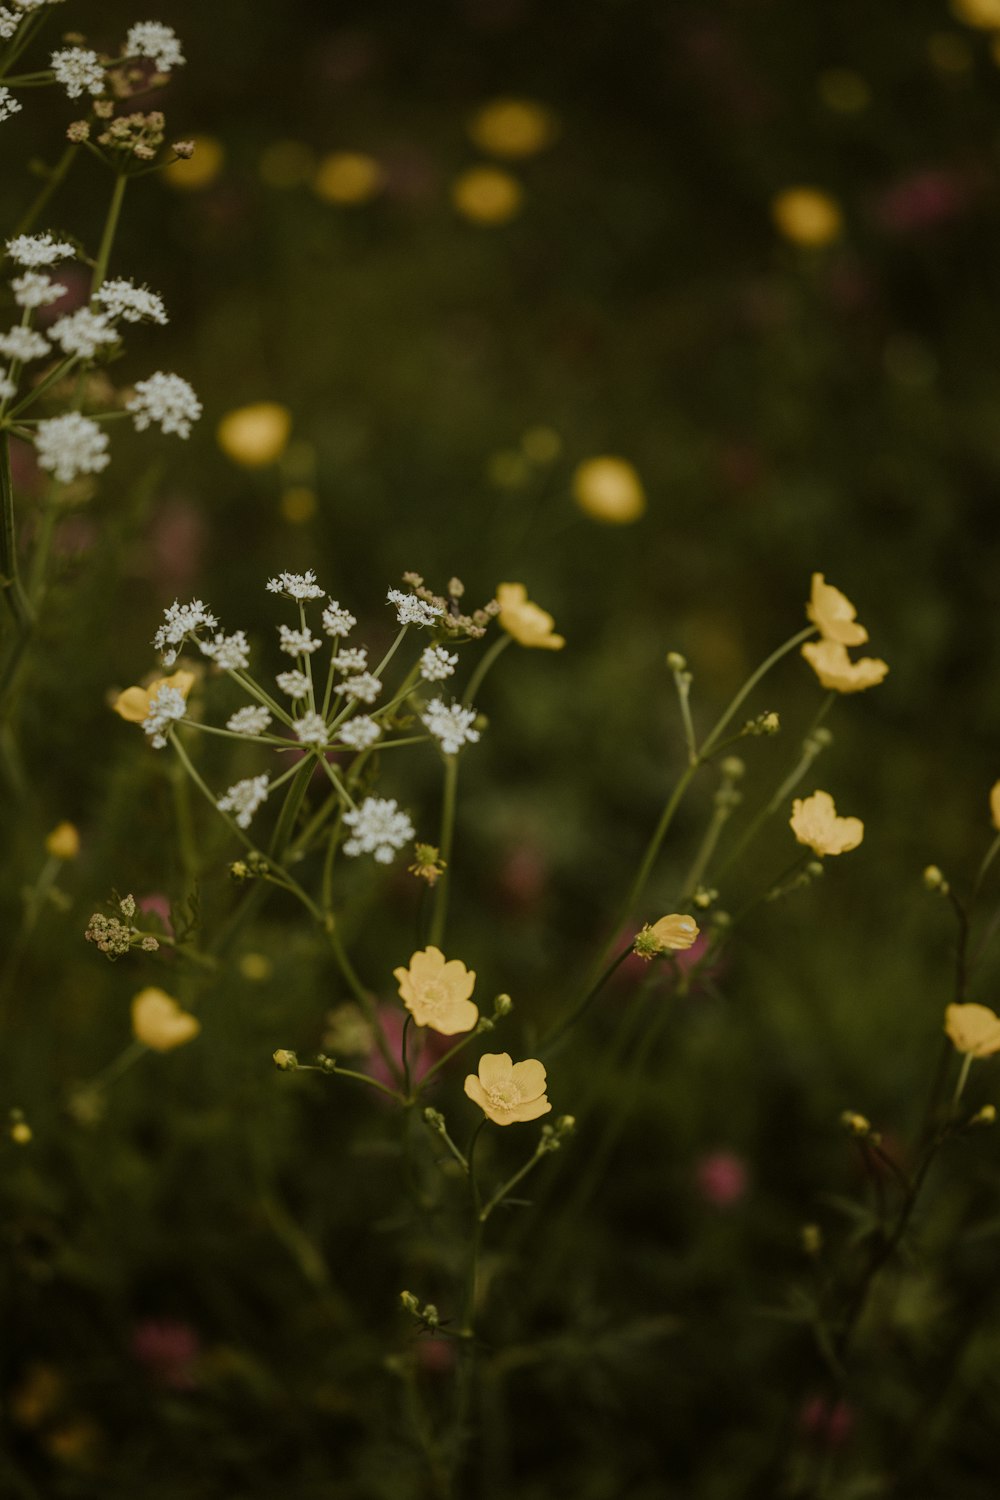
508 1092
806 216
974 1029
995 805
835 670
674 934
255 435
513 127
833 614
436 991
609 489
160 1023
63 842
526 622
134 703
814 822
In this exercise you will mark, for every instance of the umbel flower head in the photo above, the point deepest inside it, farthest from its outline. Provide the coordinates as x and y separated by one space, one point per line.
160 1023
508 1092
436 991
814 822
529 624
974 1029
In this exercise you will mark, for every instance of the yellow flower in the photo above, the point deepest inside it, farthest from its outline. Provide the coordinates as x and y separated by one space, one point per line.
806 216
833 614
507 1092
200 169
63 842
609 489
674 934
436 991
255 435
133 705
995 805
348 177
487 195
835 670
814 821
513 127
982 13
159 1022
974 1029
526 622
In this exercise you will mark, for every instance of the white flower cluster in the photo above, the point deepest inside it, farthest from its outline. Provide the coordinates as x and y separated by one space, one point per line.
250 720
83 332
168 706
450 724
38 250
377 827
35 289
355 659
296 585
336 621
412 611
8 104
71 445
167 399
360 732
361 689
436 663
298 642
22 344
78 70
244 797
153 39
123 299
311 729
230 652
180 621
295 684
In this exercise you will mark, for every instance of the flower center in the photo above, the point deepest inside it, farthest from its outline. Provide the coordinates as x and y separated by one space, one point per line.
503 1095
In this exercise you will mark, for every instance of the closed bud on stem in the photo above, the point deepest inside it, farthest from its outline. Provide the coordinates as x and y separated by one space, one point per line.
676 662
411 1304
856 1125
732 768
934 880
502 1006
812 1239
985 1116
285 1060
435 1119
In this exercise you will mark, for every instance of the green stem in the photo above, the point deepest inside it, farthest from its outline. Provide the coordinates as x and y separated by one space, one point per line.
549 1044
54 181
108 237
751 683
445 838
511 1183
486 661
10 581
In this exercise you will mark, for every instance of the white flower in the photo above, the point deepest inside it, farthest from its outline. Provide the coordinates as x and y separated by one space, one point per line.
311 729
71 445
451 725
9 22
243 799
353 660
38 250
35 289
123 299
8 388
379 828
8 104
337 621
181 620
230 652
167 399
296 585
359 732
164 709
23 343
153 39
295 684
83 332
298 642
250 720
436 663
412 611
78 69
362 689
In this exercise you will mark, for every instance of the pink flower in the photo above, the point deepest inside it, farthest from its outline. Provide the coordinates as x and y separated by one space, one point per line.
168 1350
828 1422
923 200
722 1178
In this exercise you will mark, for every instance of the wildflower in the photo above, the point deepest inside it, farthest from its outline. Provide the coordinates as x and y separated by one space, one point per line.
38 250
83 332
243 799
160 1023
179 621
296 585
250 720
672 934
63 842
165 708
9 104
436 991
814 822
123 299
35 289
833 614
487 195
22 344
361 689
297 642
436 663
974 1029
609 489
428 864
21 1132
806 216
230 652
377 827
109 935
835 670
348 177
513 127
311 729
133 704
167 399
354 660
526 622
78 69
995 805
413 611
508 1092
337 621
451 725
70 445
295 684
722 1178
255 435
285 1060
153 39
359 732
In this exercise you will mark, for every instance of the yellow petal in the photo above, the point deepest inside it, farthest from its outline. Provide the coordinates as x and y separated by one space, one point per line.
677 932
995 805
525 621
255 435
529 1076
495 1069
160 1023
132 705
806 216
814 822
834 614
609 489
63 842
835 670
974 1029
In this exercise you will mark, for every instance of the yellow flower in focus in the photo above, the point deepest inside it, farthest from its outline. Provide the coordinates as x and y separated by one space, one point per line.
526 622
677 932
159 1022
974 1029
134 703
806 216
995 805
835 670
982 13
348 177
814 822
255 435
609 489
513 127
508 1092
833 614
63 842
436 991
487 195
200 170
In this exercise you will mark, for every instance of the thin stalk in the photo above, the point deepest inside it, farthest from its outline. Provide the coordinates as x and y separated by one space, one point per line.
751 683
550 1043
108 237
54 181
486 661
445 838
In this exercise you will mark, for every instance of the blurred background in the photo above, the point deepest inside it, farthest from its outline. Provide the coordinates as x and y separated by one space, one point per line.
747 252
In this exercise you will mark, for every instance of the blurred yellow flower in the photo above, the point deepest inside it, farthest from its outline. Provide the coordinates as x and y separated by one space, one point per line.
159 1022
200 170
513 127
806 216
63 842
436 991
609 489
833 614
133 704
348 177
982 13
814 822
835 670
526 622
508 1092
487 195
974 1029
255 435
995 805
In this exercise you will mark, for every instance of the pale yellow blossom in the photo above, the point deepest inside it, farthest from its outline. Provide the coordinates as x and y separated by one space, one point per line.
513 127
159 1022
833 614
348 177
487 195
255 435
526 622
806 216
982 13
508 1092
134 703
995 805
674 934
609 489
814 822
63 842
835 669
436 991
974 1029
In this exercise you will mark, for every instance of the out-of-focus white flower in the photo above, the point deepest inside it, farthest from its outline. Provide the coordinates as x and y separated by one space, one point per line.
377 827
243 799
123 299
35 289
9 105
83 332
153 39
450 724
38 249
295 684
22 344
78 69
167 399
70 445
311 729
359 732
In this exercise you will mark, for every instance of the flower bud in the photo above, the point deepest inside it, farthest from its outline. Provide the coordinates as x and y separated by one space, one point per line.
676 662
934 880
502 1006
856 1125
812 1239
985 1116
733 768
285 1060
